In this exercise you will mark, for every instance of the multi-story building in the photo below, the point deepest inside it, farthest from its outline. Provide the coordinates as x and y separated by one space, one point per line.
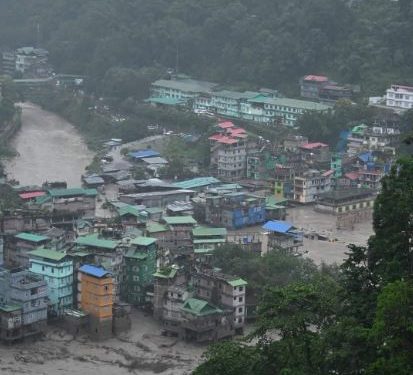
282 235
95 297
57 270
29 291
311 184
315 152
11 326
18 247
234 210
399 97
206 240
225 291
138 269
8 63
32 62
311 85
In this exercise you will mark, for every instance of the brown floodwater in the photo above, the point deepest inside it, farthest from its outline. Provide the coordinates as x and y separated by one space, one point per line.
49 149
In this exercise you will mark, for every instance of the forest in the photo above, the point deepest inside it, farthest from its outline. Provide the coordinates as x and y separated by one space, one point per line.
269 43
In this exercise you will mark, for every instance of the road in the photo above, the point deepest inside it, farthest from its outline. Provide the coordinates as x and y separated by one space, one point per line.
49 148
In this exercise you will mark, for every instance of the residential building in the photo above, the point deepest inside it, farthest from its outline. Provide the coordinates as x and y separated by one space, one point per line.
206 240
198 183
282 235
315 152
8 63
11 325
138 269
311 184
32 62
311 85
57 270
234 210
159 199
18 248
29 291
399 97
96 298
333 92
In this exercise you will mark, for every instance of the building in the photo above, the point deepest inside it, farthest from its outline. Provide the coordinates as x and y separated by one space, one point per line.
311 85
138 269
96 298
282 235
57 270
311 184
399 97
230 148
18 248
29 291
315 152
32 62
206 240
8 66
198 183
158 199
234 210
181 89
11 325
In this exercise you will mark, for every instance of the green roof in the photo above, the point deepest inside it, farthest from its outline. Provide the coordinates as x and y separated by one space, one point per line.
153 210
292 103
166 273
72 192
10 308
237 282
199 307
129 209
171 220
210 240
166 101
206 231
43 199
47 254
143 241
196 182
94 241
156 227
79 254
31 237
136 255
273 201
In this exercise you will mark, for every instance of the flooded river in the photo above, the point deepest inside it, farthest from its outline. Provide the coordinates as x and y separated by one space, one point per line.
50 149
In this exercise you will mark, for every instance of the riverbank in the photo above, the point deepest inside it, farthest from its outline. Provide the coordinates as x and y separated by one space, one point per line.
49 149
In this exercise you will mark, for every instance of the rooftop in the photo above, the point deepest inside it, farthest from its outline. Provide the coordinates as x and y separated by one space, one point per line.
94 271
72 192
94 241
165 101
31 237
156 228
143 241
188 85
197 182
344 194
315 78
292 103
140 154
47 254
206 231
278 226
199 307
176 220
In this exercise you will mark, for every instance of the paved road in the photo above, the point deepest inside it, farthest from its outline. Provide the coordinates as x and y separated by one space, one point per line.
49 149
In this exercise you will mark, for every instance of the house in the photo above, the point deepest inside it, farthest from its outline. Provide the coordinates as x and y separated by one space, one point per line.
159 199
18 247
11 325
315 152
310 184
32 62
234 210
399 97
311 85
57 270
206 240
29 291
96 298
283 235
138 269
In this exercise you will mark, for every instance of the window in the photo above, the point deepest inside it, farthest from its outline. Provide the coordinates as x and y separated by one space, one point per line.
240 309
240 299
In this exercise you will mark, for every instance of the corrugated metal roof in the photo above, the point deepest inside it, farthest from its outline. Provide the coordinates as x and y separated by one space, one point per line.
278 226
47 254
206 231
143 241
171 220
140 154
31 237
197 182
72 192
199 307
237 282
94 271
33 194
94 241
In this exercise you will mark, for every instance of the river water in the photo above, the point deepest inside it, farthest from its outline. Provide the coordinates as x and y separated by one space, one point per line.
50 149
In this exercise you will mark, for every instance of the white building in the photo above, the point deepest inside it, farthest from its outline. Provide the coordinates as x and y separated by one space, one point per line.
398 96
312 183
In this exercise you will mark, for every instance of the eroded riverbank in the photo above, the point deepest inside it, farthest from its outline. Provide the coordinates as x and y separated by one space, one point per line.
49 149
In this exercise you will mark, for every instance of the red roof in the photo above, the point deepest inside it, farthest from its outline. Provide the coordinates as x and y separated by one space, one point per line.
328 173
215 137
32 194
226 124
352 175
316 78
312 146
237 130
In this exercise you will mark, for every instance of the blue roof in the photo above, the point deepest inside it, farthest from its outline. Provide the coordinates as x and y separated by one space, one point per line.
366 156
94 271
139 154
278 226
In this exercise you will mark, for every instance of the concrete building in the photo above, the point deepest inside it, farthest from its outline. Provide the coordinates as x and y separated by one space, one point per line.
11 325
311 184
32 62
399 97
234 210
311 85
96 298
282 235
18 248
138 269
8 66
57 270
206 240
159 199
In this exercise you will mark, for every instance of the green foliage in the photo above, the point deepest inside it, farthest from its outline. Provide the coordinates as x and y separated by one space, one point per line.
9 199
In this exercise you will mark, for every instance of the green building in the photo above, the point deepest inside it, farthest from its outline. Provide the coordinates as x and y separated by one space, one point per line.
138 269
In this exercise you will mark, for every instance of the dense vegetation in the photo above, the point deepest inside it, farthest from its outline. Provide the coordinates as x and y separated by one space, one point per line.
358 322
267 42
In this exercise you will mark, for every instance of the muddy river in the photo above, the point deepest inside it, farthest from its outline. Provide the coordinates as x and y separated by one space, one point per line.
49 148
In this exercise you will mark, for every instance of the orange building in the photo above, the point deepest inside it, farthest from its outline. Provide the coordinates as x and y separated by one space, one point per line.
96 298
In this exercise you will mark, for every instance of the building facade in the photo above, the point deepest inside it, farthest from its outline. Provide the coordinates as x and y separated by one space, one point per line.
400 97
